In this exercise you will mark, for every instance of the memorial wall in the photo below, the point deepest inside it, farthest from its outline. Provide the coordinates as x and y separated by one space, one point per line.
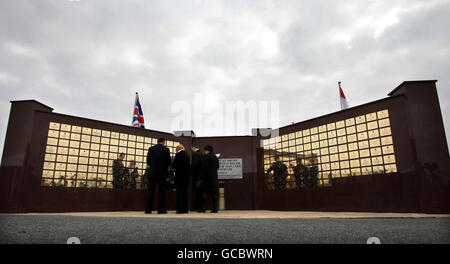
383 156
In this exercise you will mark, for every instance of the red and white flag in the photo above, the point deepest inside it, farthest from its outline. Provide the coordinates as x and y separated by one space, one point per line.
344 104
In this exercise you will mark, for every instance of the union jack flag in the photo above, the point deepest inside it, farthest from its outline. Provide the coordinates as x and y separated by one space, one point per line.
138 115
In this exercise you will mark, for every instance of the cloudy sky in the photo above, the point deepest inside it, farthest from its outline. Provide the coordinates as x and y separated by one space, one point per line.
88 57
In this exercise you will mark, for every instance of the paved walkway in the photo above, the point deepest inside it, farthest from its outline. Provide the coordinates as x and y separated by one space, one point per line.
229 227
254 214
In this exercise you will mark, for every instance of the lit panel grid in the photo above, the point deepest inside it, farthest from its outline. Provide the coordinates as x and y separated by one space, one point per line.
83 157
355 146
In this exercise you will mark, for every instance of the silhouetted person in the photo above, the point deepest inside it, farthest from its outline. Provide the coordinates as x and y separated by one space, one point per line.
300 172
158 158
144 178
210 179
279 174
181 167
133 174
312 179
197 172
119 171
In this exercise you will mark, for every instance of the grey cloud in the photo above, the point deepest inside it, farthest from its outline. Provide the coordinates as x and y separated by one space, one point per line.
98 53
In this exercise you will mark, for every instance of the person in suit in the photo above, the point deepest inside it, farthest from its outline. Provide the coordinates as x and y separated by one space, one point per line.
181 167
158 159
197 172
210 179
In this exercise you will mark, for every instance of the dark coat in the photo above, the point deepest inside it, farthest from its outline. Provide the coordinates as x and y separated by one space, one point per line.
211 177
158 157
181 167
197 167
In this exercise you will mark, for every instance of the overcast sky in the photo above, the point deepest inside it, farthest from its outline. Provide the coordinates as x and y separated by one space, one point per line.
88 57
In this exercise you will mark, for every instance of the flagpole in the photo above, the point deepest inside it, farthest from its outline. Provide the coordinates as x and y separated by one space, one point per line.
134 106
